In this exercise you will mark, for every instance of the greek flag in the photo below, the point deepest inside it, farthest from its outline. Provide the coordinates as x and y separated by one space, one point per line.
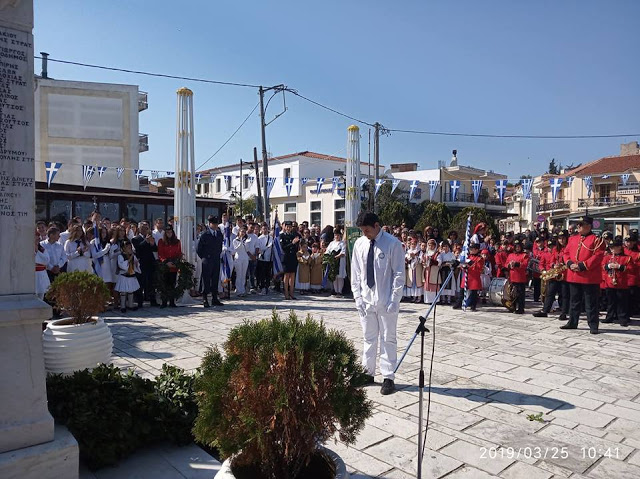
320 180
276 252
87 174
394 185
526 187
52 169
501 186
288 183
120 170
433 186
412 188
604 177
455 186
476 186
155 173
271 181
227 181
226 260
379 183
570 179
625 178
251 179
138 174
198 177
588 182
555 183
101 170
304 180
170 173
334 183
363 181
465 251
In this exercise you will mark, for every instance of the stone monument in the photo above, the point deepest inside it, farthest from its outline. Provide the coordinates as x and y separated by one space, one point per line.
352 196
30 445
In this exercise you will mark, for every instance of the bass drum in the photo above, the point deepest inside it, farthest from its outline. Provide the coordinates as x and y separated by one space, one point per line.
498 291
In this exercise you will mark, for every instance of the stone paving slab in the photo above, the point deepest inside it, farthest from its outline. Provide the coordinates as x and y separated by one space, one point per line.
491 370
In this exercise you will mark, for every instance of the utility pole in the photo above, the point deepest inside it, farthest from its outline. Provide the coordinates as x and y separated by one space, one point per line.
370 199
376 161
257 180
241 184
265 166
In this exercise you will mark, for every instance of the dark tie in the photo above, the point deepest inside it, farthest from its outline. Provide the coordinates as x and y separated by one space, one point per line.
371 281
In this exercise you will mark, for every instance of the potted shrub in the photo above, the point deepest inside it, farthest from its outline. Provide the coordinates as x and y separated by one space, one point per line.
282 389
82 340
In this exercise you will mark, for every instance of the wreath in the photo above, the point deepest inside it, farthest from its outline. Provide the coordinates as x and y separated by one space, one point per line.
331 264
184 282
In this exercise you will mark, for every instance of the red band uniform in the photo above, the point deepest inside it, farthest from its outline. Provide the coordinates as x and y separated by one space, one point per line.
517 263
619 270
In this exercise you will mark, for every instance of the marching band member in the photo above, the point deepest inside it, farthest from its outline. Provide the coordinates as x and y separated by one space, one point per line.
501 260
539 250
414 269
619 269
478 235
556 285
631 249
583 256
377 270
474 267
517 262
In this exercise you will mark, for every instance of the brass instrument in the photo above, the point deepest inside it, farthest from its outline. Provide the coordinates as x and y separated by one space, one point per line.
612 275
554 274
511 294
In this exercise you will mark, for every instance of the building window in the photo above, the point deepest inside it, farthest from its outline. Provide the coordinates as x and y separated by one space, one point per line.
218 185
153 212
41 210
245 182
316 206
135 212
287 172
205 188
110 210
289 207
83 209
339 205
338 173
60 211
228 183
200 215
339 218
316 218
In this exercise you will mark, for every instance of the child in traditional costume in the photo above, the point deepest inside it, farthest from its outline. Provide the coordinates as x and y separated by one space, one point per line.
127 283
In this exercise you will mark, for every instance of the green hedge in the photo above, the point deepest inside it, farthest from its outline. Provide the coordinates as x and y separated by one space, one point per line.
111 413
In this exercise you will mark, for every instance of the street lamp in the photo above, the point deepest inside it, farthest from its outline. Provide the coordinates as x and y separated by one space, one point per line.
242 162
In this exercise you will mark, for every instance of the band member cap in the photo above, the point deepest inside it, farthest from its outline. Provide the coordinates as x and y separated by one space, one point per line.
607 234
586 220
616 242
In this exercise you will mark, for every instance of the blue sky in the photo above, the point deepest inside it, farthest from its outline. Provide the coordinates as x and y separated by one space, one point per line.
503 67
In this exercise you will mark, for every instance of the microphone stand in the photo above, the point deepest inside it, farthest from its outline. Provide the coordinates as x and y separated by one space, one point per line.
421 329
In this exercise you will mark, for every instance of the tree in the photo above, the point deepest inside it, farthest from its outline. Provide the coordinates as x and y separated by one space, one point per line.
249 206
394 213
478 215
436 215
553 168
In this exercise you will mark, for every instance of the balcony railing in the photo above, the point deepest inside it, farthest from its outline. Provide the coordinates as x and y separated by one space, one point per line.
468 198
142 101
602 202
143 142
559 205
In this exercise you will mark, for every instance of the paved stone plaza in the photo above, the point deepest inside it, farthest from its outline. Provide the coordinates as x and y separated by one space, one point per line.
492 369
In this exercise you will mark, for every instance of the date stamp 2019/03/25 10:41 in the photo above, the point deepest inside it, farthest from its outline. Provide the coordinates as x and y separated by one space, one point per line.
537 452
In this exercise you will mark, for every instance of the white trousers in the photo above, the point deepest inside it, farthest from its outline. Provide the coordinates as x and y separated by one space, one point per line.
378 324
338 285
241 265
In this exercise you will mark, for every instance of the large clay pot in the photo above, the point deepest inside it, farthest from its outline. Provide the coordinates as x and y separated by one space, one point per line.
71 347
341 469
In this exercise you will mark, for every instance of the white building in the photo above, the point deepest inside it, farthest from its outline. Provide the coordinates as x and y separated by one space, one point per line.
521 211
83 123
226 183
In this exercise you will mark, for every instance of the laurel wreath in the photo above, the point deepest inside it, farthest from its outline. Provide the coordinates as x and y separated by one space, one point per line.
330 261
184 282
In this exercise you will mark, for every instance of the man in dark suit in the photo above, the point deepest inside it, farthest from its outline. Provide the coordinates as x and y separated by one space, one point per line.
210 250
145 245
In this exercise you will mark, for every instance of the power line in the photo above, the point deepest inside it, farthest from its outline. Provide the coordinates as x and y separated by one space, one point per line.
328 108
537 137
229 139
151 74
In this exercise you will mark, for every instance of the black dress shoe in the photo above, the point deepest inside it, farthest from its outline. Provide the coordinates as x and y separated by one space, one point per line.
164 305
387 387
205 303
172 303
606 320
540 314
593 331
154 304
217 303
369 379
623 324
519 311
568 326
562 317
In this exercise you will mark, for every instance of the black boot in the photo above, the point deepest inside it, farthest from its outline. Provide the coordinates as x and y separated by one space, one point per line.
562 317
172 303
205 301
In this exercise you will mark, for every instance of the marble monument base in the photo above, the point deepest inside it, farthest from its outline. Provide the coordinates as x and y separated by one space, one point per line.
57 459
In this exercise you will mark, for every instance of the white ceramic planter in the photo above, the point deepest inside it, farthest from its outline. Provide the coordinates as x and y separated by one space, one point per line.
71 347
341 469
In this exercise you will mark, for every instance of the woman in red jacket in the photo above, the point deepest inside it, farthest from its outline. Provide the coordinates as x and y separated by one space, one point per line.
169 250
517 263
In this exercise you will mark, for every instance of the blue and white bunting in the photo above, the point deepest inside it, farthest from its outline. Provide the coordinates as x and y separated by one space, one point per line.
556 184
101 170
455 186
334 183
588 182
304 180
227 181
476 186
379 183
170 173
251 180
51 169
394 184
155 174
433 186
119 171
87 174
198 177
363 181
412 188
625 178
604 177
288 184
319 183
501 186
138 174
526 187
271 181
570 180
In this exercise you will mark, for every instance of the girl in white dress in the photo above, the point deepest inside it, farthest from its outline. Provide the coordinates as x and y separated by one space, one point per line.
446 263
414 276
241 260
78 251
339 246
127 283
100 248
42 260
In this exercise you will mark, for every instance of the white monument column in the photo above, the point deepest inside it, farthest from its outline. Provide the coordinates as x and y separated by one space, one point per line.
30 446
352 193
184 196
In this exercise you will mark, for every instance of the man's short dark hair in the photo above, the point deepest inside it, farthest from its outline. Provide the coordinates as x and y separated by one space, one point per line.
367 219
53 230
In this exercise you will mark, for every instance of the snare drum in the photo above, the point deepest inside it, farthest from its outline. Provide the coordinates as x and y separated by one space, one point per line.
497 290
